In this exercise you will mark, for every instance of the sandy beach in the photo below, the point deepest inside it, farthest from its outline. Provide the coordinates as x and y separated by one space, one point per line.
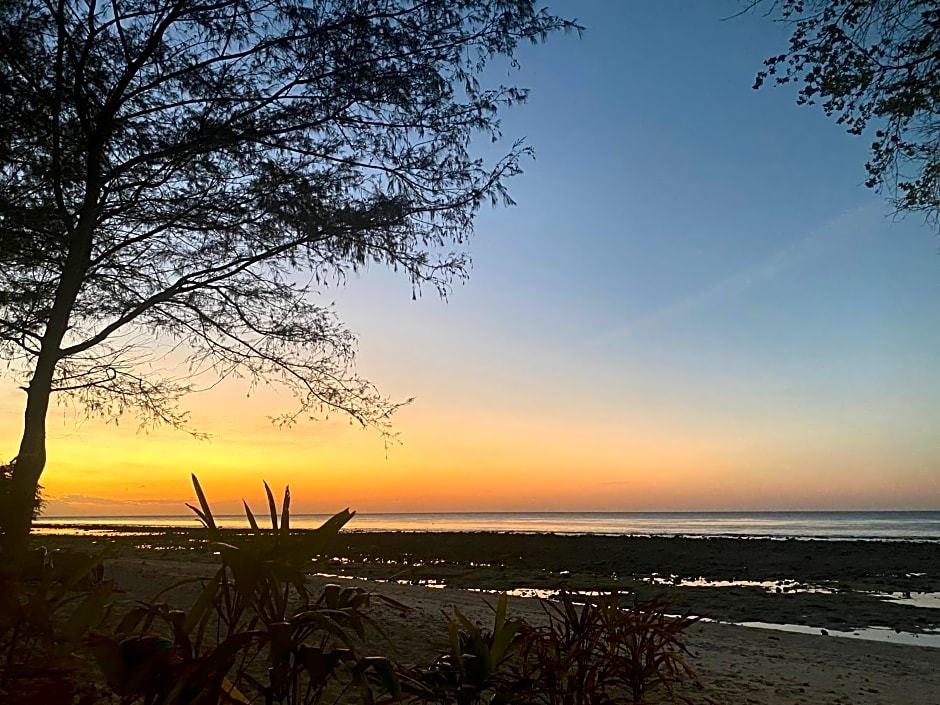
734 664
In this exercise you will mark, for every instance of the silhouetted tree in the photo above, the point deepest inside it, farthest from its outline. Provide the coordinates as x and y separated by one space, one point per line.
184 172
872 64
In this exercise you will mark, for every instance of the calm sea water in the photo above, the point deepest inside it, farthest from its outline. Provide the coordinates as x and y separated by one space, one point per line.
891 526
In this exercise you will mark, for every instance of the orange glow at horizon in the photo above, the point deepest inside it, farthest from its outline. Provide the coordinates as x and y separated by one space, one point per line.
466 462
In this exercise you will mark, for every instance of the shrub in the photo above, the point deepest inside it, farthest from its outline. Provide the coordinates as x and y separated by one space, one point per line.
256 633
475 668
599 652
6 477
44 616
591 654
255 610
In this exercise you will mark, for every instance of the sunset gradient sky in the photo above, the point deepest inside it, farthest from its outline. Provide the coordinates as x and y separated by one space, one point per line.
695 305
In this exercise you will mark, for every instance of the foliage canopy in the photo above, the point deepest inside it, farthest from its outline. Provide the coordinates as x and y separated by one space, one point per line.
193 169
872 64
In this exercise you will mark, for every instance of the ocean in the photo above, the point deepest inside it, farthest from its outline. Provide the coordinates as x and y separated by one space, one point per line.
883 526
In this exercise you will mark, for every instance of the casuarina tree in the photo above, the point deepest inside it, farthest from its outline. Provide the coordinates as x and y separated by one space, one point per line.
874 66
186 173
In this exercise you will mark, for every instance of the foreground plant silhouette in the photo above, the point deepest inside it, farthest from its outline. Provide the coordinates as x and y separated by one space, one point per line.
599 652
589 654
254 631
45 613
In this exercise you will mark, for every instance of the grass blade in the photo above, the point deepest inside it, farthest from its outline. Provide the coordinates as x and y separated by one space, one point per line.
285 512
202 517
204 503
271 506
203 603
501 606
251 517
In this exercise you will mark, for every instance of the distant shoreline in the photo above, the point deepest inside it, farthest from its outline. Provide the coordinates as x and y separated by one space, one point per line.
817 525
64 529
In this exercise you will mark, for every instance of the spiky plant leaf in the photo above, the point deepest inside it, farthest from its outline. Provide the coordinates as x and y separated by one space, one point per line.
252 522
206 514
285 513
271 506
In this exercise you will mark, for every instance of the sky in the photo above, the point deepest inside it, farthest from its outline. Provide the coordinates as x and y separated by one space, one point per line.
695 305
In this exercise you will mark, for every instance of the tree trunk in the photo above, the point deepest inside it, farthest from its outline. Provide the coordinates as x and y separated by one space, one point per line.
28 466
31 460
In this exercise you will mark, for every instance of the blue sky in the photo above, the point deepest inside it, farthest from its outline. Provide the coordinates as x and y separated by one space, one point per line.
696 304
673 211
683 245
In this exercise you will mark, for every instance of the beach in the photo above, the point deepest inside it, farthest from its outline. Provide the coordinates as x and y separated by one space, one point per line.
824 586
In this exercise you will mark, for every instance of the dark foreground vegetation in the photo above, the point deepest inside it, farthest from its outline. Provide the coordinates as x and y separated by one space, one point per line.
255 633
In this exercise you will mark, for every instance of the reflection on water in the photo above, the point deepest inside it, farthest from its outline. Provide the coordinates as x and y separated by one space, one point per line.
776 586
88 531
422 582
428 583
883 634
524 592
931 639
541 593
930 600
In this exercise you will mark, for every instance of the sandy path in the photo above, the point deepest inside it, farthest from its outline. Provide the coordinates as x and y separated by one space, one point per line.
735 664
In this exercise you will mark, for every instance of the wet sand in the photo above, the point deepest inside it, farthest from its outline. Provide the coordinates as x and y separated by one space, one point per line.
735 664
825 584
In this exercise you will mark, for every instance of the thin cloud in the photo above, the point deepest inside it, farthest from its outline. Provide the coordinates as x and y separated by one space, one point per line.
818 244
83 502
